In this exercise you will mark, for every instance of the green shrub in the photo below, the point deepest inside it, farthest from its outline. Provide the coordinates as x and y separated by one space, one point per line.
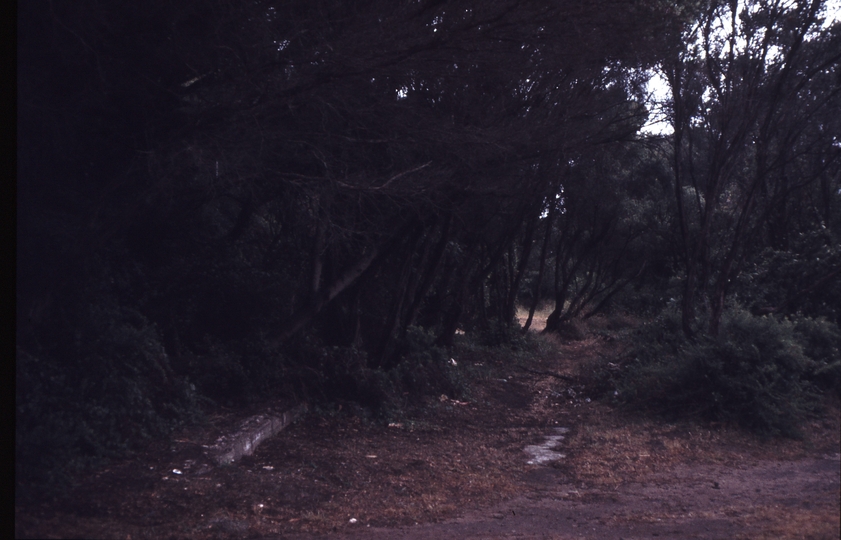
786 279
424 367
821 341
221 377
757 372
95 398
500 334
645 299
330 374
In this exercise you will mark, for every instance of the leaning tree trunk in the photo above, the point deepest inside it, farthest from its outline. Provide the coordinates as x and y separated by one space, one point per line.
541 268
528 241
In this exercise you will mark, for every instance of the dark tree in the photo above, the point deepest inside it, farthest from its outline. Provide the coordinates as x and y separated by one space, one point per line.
748 92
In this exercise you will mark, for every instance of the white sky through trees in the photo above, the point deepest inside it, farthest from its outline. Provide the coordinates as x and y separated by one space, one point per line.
658 88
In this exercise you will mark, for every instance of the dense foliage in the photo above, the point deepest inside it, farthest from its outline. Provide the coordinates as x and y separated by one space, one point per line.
759 372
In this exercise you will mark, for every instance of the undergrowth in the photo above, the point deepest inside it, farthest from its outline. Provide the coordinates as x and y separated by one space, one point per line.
422 369
762 373
99 397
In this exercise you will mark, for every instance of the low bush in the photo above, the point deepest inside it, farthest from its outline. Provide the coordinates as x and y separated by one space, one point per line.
97 397
425 368
821 340
762 373
329 374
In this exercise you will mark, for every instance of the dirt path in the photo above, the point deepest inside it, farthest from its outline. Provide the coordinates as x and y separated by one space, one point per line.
699 501
459 469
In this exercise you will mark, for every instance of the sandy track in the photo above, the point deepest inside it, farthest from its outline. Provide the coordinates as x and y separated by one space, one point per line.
690 501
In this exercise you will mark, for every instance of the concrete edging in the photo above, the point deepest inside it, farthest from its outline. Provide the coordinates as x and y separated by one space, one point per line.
229 448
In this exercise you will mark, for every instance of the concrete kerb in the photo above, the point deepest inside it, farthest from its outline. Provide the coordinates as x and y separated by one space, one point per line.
253 431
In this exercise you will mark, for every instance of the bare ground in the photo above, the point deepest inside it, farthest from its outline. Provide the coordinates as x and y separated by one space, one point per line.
458 469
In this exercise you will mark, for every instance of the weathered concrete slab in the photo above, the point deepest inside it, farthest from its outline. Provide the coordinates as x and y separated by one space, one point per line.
229 448
546 452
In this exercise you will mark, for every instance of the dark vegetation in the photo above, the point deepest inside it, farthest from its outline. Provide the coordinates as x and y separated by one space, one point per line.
759 372
224 201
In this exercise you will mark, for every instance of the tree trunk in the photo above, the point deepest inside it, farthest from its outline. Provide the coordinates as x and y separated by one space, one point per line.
307 313
528 241
541 266
400 294
429 274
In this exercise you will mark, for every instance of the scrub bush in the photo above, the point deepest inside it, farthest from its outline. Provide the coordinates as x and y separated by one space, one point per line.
97 397
759 372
